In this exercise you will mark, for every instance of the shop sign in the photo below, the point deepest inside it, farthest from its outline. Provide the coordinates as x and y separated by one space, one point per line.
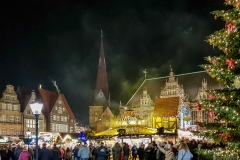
3 140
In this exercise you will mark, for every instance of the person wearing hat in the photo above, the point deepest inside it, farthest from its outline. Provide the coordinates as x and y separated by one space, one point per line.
44 153
84 152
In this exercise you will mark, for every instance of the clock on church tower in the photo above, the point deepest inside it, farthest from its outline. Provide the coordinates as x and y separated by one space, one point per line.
100 94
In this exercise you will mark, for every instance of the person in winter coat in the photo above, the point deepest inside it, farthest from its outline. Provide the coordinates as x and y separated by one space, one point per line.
102 152
75 152
126 150
116 151
140 152
184 152
56 154
68 155
24 155
17 152
44 153
148 152
134 152
84 152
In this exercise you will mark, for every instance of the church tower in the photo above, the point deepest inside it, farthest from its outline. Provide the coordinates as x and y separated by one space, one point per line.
102 96
101 92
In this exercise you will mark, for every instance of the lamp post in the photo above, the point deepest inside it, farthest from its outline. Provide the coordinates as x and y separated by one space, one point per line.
36 110
28 133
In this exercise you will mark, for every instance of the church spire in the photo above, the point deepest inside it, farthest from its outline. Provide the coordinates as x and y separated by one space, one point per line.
102 92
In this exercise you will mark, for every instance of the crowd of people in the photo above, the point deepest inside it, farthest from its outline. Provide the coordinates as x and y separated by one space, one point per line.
185 150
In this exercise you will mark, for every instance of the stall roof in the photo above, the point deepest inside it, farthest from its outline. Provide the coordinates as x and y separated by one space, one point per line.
130 130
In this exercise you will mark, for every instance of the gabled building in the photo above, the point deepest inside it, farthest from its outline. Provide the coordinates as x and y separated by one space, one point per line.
57 112
10 115
191 87
105 120
26 97
142 109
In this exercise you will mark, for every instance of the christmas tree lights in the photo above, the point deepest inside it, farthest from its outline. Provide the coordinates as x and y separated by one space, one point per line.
225 103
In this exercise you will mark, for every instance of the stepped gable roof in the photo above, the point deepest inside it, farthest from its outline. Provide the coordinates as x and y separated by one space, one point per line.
71 115
107 113
190 81
48 98
24 95
166 107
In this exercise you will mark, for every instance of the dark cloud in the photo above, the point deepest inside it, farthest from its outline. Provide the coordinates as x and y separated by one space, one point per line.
42 41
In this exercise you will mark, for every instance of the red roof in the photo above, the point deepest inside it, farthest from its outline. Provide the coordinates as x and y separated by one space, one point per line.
48 98
67 107
166 107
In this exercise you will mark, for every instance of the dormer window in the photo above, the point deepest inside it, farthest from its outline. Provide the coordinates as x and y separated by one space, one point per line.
56 108
7 97
59 102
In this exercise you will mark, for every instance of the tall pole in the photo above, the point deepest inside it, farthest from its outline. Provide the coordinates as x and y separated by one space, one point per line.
36 153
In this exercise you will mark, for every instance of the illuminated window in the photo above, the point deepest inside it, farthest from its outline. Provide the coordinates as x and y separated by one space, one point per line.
4 106
11 119
30 123
194 117
59 128
65 119
4 118
15 107
61 118
63 109
11 132
7 97
10 107
17 119
4 131
17 132
54 117
204 116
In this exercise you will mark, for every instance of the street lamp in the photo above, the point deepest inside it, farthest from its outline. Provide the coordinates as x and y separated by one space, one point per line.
28 133
36 110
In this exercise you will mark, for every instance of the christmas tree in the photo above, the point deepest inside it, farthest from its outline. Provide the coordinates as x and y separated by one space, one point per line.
223 105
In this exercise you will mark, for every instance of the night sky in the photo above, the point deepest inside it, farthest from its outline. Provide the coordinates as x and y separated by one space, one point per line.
41 41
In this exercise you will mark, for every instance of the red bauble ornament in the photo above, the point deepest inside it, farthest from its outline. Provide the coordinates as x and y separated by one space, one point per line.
211 114
230 27
227 1
211 96
225 138
220 135
230 63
